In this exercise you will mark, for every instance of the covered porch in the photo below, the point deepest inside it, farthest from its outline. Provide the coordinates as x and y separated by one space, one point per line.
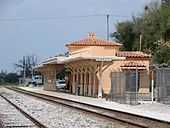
49 70
86 74
49 73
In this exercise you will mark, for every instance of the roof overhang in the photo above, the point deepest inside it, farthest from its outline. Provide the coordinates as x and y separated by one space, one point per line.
38 66
51 61
54 60
133 68
63 60
95 58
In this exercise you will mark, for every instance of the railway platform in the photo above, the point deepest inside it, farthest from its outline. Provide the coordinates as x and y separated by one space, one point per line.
151 110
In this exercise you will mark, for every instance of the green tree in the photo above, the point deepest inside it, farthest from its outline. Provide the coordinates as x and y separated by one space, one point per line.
151 23
2 77
11 78
8 78
162 55
165 28
154 26
122 36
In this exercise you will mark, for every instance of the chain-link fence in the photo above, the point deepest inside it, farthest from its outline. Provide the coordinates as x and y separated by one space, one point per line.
162 83
130 86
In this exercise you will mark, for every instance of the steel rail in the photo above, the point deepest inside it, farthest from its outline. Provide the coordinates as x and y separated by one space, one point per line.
1 124
32 119
128 118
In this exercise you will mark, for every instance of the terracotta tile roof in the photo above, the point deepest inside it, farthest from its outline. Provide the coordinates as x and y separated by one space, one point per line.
93 41
133 65
134 68
132 54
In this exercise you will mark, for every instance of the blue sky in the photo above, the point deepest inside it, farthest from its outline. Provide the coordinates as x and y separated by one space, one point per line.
48 37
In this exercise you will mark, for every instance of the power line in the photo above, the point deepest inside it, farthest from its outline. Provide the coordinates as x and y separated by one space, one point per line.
58 18
121 16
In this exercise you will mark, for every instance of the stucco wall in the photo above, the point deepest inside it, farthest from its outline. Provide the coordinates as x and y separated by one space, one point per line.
75 48
102 50
93 50
115 67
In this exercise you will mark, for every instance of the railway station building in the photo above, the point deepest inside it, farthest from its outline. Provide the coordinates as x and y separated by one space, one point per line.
97 68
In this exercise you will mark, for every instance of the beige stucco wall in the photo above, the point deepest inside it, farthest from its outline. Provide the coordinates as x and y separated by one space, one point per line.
102 50
75 48
93 50
115 67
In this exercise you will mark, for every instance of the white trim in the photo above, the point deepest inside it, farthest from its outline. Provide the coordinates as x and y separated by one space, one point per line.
96 58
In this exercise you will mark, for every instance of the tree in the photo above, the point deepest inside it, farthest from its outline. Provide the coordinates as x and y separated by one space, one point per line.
165 2
25 65
2 77
11 78
8 78
154 26
162 55
122 36
151 23
165 28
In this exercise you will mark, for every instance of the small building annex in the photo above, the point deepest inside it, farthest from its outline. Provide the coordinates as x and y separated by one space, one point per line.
97 68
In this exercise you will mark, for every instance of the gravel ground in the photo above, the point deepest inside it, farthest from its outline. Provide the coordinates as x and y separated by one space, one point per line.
11 117
147 109
58 116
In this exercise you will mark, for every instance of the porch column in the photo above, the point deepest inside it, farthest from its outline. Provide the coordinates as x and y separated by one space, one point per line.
89 86
81 83
100 81
50 76
85 84
77 82
94 83
73 83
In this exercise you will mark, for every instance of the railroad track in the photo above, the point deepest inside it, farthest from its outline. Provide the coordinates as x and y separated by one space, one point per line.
1 124
128 118
36 123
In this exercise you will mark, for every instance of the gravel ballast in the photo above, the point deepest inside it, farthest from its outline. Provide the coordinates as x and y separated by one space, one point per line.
57 115
11 117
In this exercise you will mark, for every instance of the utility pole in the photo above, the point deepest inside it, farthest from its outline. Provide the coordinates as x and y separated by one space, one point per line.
108 16
32 72
24 68
140 47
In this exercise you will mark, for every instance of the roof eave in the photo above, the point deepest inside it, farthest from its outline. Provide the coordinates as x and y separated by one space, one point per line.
74 45
96 58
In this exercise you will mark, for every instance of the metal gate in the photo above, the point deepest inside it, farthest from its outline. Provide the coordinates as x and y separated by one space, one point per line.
124 86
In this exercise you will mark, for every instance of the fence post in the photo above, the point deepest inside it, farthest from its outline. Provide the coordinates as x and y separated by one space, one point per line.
136 85
152 87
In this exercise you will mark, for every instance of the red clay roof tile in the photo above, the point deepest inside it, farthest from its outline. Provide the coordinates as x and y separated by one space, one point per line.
132 54
93 41
133 64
